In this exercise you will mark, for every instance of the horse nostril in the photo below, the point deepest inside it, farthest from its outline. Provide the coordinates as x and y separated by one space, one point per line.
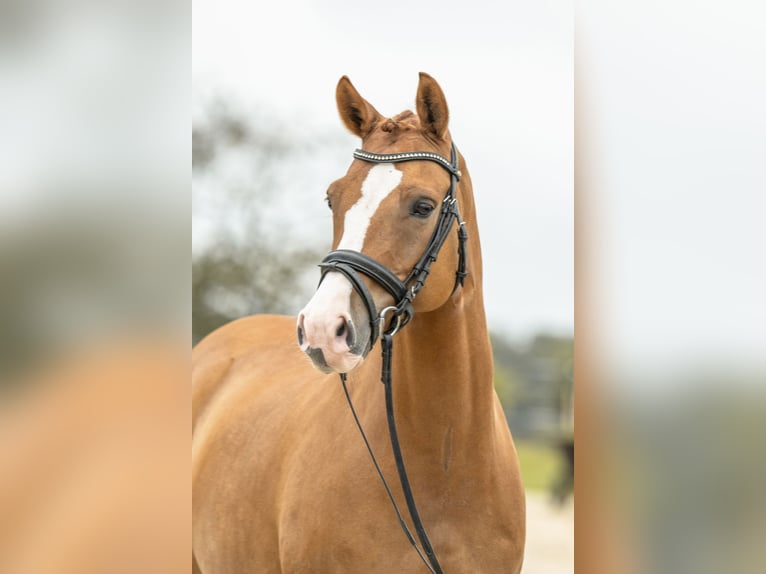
350 334
300 330
342 329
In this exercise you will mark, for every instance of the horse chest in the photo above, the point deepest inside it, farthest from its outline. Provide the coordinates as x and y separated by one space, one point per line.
335 517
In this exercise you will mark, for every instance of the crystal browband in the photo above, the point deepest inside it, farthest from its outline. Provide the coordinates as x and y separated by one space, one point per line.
407 156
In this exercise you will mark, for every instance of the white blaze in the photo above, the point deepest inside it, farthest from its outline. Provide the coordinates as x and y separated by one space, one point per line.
333 297
379 183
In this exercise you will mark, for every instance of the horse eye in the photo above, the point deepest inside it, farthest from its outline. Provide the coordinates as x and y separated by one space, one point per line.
422 209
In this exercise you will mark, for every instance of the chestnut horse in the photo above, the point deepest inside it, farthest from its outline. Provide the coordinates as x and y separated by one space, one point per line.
282 481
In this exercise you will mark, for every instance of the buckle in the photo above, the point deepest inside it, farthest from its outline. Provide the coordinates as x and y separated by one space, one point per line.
397 316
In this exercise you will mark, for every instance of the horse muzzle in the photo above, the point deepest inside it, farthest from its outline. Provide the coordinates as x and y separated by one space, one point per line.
332 343
333 329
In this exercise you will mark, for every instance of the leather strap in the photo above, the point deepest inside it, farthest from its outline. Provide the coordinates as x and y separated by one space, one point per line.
359 286
410 156
405 291
350 264
367 265
387 343
395 506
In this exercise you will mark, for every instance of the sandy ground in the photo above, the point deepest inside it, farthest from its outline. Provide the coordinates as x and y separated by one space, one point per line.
550 536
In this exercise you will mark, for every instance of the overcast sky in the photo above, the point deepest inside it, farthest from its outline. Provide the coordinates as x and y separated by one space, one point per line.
507 72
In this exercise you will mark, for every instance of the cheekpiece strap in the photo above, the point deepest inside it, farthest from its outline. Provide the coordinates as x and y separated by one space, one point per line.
352 263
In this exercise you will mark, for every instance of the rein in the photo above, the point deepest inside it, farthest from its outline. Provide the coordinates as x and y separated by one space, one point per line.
350 264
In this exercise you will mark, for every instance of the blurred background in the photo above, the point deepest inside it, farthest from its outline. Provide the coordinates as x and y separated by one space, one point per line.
670 137
669 143
267 142
94 283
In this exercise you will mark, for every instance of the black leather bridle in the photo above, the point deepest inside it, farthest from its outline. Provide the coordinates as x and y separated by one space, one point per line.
351 264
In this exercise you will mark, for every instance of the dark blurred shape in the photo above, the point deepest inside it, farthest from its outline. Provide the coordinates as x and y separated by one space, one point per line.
19 23
77 277
675 480
534 382
250 258
691 471
233 281
563 487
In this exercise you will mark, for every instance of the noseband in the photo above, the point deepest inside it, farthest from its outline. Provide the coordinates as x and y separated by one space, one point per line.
351 264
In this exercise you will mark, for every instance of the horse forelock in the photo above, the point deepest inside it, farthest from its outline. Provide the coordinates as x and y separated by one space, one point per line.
403 132
404 122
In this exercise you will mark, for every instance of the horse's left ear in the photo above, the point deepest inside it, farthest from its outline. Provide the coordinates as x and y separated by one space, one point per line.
432 107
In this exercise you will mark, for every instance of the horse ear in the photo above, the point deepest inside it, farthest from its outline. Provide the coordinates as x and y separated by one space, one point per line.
432 106
357 114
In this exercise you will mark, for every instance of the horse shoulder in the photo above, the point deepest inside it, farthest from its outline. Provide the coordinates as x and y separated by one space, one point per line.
217 358
245 378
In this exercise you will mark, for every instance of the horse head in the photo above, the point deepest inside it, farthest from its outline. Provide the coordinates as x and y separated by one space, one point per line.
388 210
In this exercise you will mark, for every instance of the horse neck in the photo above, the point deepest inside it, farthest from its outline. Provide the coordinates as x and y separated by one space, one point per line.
442 363
442 371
